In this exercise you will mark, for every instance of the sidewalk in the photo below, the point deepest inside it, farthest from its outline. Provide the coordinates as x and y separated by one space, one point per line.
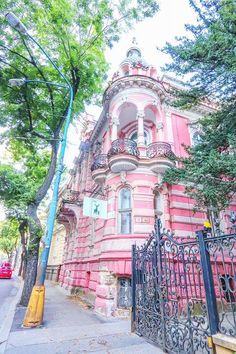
69 328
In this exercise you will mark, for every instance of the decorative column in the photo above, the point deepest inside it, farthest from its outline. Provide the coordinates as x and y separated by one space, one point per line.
114 131
140 140
169 125
140 117
159 127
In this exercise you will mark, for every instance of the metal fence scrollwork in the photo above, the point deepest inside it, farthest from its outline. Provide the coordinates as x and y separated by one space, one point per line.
222 254
100 161
160 149
183 291
123 146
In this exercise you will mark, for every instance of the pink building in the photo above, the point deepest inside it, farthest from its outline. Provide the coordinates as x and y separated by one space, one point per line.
122 159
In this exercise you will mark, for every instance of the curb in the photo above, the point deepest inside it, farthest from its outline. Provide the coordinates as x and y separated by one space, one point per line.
4 334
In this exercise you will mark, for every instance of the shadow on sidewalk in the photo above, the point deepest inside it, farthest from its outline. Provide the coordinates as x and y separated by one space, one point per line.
61 310
70 328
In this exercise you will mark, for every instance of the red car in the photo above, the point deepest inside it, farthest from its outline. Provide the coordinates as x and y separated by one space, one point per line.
5 270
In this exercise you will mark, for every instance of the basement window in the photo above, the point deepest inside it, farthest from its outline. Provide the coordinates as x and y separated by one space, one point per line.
124 293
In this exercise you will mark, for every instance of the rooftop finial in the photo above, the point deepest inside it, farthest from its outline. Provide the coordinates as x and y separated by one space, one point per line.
134 41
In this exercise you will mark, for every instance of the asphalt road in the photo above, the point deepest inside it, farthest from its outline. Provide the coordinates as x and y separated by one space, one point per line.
8 290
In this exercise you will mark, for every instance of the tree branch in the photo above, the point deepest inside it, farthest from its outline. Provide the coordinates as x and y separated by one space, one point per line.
34 63
43 189
102 32
29 111
12 66
16 53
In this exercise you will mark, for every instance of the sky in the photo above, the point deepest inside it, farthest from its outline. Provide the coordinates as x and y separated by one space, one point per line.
151 33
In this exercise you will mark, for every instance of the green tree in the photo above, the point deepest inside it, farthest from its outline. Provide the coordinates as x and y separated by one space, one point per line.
75 34
9 237
17 188
208 55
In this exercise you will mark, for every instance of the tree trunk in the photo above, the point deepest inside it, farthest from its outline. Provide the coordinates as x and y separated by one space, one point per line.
35 230
22 231
32 254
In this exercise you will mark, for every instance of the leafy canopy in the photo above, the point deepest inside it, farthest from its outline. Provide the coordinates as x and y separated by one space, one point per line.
75 34
8 236
208 54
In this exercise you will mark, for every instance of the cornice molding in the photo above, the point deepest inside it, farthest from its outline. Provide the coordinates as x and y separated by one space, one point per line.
131 81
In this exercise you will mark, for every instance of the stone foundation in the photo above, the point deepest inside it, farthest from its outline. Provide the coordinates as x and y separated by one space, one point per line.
224 344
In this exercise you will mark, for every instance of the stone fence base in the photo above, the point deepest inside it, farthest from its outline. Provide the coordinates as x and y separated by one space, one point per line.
224 344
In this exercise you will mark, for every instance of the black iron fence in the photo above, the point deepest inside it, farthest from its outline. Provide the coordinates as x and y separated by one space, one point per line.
184 292
221 253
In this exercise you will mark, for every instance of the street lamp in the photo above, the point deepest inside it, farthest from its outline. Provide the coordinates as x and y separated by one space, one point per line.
34 312
15 23
17 82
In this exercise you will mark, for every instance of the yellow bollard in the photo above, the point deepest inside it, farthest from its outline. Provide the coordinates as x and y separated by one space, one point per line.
35 308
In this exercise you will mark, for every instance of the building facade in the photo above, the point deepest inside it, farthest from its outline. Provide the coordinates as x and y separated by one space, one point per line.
122 160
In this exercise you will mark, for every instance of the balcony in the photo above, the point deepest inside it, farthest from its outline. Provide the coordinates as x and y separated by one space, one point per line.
70 196
161 156
123 155
98 168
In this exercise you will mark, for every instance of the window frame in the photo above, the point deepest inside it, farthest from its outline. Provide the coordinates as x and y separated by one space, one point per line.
123 211
148 136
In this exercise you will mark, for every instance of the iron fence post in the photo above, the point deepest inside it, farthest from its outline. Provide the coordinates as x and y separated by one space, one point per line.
133 289
208 284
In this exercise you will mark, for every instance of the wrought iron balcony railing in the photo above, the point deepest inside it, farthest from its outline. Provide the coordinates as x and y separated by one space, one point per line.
100 161
159 149
123 146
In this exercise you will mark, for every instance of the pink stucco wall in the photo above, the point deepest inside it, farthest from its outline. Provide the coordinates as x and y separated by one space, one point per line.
95 253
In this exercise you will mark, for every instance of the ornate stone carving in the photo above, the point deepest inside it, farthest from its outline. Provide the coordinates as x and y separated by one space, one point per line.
159 125
140 113
135 81
123 176
115 120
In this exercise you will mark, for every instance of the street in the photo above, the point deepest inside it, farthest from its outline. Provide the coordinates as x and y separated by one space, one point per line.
9 296
8 290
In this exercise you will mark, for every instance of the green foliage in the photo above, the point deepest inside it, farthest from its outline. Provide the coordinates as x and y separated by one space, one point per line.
18 187
209 56
8 236
75 34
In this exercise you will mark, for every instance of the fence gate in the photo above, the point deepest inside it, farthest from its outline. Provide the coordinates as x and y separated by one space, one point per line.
168 294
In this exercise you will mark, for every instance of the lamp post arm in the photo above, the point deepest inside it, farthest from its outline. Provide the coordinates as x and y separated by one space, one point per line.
53 204
46 83
51 61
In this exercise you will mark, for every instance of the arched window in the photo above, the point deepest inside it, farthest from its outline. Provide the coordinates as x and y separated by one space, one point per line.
134 137
124 209
196 138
